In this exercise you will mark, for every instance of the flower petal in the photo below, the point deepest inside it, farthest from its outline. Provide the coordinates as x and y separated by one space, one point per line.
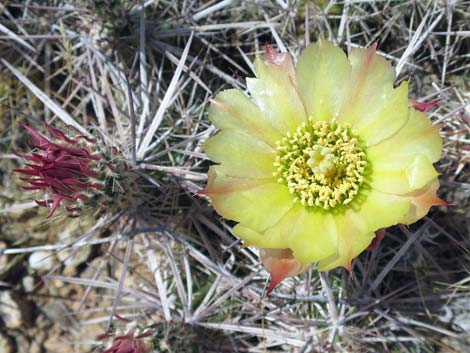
379 210
322 73
373 107
403 162
355 226
422 201
424 106
348 249
231 110
397 178
55 205
275 94
241 155
310 234
248 201
280 264
251 237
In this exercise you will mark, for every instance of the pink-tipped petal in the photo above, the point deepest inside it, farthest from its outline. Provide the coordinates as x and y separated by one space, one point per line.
54 206
280 263
104 336
424 106
32 187
80 197
37 140
26 171
421 202
379 235
59 134
283 61
274 57
127 347
123 319
30 157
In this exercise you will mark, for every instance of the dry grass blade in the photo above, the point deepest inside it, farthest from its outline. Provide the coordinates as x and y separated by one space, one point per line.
417 40
157 119
411 240
16 38
161 284
48 102
117 298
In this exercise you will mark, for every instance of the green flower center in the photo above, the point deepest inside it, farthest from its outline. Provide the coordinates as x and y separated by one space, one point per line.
321 163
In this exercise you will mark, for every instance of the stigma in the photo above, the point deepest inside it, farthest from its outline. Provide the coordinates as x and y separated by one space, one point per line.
321 160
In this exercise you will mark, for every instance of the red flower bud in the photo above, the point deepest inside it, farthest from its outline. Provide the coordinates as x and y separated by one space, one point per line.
129 343
64 169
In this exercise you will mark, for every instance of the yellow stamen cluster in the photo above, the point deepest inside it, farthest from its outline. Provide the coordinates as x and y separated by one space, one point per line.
321 163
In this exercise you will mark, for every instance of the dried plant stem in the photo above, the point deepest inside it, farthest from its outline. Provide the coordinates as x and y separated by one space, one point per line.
332 310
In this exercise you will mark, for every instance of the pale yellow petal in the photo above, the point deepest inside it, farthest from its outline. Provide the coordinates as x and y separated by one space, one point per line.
373 107
241 155
231 110
248 201
355 226
310 233
275 94
403 162
421 201
349 250
322 73
251 237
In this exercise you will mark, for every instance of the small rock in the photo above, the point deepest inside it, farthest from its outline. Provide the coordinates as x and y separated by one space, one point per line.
92 268
28 283
3 258
42 260
461 309
35 347
76 256
10 310
70 271
59 313
22 343
6 343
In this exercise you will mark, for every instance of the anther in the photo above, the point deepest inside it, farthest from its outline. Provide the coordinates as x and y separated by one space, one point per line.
321 163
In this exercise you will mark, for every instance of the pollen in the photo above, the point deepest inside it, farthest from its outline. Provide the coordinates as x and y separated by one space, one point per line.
322 164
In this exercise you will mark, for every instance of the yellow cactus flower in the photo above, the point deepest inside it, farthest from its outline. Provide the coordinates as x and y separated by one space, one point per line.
319 156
